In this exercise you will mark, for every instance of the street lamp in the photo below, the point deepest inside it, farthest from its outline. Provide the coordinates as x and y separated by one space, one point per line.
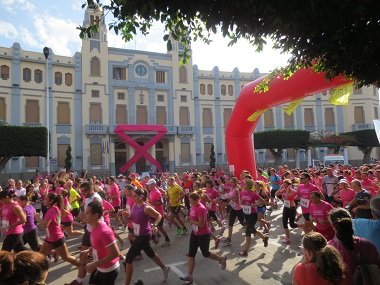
46 54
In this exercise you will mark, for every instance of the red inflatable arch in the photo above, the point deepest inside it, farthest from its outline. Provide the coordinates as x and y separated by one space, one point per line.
239 142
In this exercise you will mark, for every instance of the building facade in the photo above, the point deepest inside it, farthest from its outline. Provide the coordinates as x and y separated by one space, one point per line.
101 87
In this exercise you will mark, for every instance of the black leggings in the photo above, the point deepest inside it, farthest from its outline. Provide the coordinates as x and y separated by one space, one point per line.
289 216
13 242
201 241
236 213
104 278
251 221
140 243
31 238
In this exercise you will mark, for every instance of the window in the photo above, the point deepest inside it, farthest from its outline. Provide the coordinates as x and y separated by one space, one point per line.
291 152
359 115
95 66
357 91
309 117
182 74
329 116
32 162
120 95
62 154
96 153
207 117
185 152
121 114
32 112
288 120
230 90
207 151
223 89
95 94
26 75
160 76
160 98
184 119
95 114
94 20
183 98
161 115
38 76
68 79
226 116
58 78
202 88
119 73
209 89
4 72
141 115
375 110
268 118
2 110
63 113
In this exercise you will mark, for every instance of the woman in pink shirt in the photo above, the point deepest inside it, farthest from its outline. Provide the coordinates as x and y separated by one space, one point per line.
345 194
13 218
55 239
67 216
200 236
319 210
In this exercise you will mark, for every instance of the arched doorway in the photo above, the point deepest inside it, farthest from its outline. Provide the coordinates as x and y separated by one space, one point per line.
121 155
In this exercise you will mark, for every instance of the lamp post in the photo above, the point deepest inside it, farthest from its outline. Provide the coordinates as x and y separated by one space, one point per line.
46 54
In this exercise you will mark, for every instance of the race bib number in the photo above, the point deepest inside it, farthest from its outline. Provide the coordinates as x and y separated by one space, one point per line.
208 205
95 254
287 203
187 191
305 202
233 204
128 208
5 223
195 228
136 229
247 209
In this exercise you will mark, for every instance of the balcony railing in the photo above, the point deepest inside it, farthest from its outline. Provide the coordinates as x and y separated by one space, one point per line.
289 127
269 128
330 128
95 129
63 128
357 127
186 130
32 124
310 128
208 130
172 130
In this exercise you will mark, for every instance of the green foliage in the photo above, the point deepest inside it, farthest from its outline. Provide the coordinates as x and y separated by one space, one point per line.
212 157
68 159
364 138
336 37
281 139
23 141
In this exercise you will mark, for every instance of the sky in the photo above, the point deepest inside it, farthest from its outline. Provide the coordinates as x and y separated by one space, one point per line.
52 23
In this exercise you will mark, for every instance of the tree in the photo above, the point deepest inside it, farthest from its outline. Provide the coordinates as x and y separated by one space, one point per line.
337 37
365 141
68 159
278 140
330 140
212 157
21 141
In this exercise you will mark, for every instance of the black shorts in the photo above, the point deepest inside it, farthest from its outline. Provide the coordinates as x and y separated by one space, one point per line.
161 223
57 243
175 210
104 278
66 224
273 193
306 216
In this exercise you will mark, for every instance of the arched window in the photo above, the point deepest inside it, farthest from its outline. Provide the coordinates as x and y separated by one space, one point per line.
202 88
26 74
182 74
209 89
4 72
58 78
95 66
223 89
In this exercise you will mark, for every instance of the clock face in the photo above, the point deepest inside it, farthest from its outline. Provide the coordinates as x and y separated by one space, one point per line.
141 70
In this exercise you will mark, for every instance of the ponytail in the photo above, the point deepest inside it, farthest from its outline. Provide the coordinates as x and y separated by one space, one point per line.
330 265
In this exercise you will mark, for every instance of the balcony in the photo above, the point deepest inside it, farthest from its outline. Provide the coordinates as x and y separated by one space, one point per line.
32 124
172 130
269 128
357 127
186 130
289 127
95 129
208 130
310 128
330 128
63 128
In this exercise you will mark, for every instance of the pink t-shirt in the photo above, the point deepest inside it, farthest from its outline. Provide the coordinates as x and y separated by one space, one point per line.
346 196
367 185
115 193
247 199
213 194
320 213
9 217
101 237
195 213
69 217
236 205
306 274
303 193
129 207
53 231
106 215
154 196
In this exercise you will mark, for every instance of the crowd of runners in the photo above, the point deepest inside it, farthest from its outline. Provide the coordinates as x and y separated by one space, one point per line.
338 209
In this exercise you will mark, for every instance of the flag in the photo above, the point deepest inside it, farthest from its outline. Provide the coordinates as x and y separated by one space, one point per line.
255 115
377 128
341 94
292 106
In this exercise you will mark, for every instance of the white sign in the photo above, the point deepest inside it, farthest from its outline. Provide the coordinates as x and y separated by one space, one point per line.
231 168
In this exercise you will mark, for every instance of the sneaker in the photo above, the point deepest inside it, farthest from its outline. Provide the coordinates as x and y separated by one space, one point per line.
178 231
223 262
187 277
212 229
184 231
227 241
139 282
222 230
74 282
286 241
269 210
123 228
165 272
138 257
217 243
265 240
166 243
243 253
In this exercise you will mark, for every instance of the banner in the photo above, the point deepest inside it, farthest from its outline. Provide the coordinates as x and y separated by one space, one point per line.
292 106
341 94
255 115
377 128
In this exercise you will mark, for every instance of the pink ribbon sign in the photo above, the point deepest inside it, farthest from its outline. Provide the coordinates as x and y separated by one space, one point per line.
141 151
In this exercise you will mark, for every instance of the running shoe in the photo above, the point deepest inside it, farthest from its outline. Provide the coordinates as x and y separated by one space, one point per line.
269 210
184 231
165 272
217 243
187 277
286 241
243 253
222 230
178 231
166 243
227 241
138 257
139 282
265 240
223 262
74 282
122 227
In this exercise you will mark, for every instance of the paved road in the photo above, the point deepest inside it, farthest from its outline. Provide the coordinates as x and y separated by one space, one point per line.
270 265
